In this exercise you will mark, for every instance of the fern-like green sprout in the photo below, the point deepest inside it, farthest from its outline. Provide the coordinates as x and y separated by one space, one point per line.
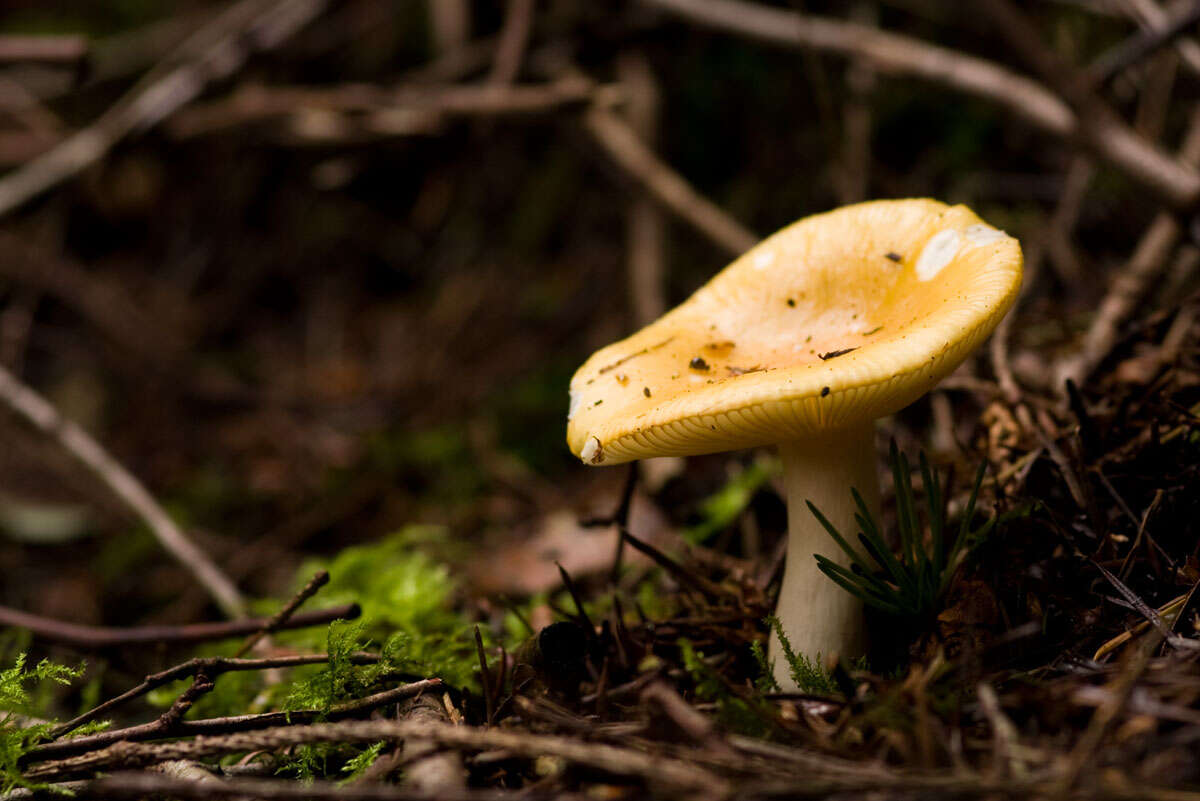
17 700
912 583
807 674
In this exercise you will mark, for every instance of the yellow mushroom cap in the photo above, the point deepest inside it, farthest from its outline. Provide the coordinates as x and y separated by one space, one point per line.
836 320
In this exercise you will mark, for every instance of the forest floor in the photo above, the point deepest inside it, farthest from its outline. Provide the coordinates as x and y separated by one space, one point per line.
313 287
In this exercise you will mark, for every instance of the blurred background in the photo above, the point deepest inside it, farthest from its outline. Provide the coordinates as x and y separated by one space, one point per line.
324 269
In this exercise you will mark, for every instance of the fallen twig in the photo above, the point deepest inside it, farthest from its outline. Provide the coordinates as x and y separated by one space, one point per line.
214 52
657 770
39 413
514 36
1178 184
160 729
319 580
376 109
98 637
1141 45
1133 280
66 49
1106 713
666 186
139 785
212 666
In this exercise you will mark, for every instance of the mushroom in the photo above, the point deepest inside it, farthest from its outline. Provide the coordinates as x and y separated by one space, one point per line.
802 342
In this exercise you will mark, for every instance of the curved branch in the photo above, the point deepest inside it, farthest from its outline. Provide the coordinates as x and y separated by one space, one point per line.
1177 183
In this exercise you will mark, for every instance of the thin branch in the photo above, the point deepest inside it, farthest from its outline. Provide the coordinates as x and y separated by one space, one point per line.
681 574
213 53
91 638
1178 184
428 768
319 580
623 145
141 785
38 412
101 302
212 666
1151 16
1105 715
449 23
1133 280
1141 46
514 37
485 678
645 223
66 49
378 110
657 770
212 727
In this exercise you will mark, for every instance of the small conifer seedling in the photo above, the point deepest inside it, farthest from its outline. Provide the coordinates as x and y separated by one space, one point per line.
911 584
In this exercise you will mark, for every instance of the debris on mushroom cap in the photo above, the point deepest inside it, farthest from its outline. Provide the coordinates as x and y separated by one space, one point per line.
834 334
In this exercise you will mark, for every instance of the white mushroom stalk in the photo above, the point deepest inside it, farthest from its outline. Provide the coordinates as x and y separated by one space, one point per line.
802 343
819 619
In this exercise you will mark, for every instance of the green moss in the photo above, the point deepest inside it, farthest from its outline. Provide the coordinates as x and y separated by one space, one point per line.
407 601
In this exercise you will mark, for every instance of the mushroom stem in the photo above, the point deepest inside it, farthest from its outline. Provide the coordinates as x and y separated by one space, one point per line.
819 618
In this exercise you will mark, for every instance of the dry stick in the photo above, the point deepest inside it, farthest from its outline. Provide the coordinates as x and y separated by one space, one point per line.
102 303
158 730
450 24
319 580
428 768
213 53
577 599
200 686
1099 128
373 108
680 573
138 785
1132 281
98 637
1004 733
1106 714
656 770
38 412
1058 249
1178 184
853 175
620 517
212 666
485 678
1150 15
644 223
141 785
1141 46
514 37
66 49
1154 100
700 728
665 185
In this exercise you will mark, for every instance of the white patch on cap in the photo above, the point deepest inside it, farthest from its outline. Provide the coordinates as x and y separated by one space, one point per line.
937 254
980 234
591 453
573 406
763 259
